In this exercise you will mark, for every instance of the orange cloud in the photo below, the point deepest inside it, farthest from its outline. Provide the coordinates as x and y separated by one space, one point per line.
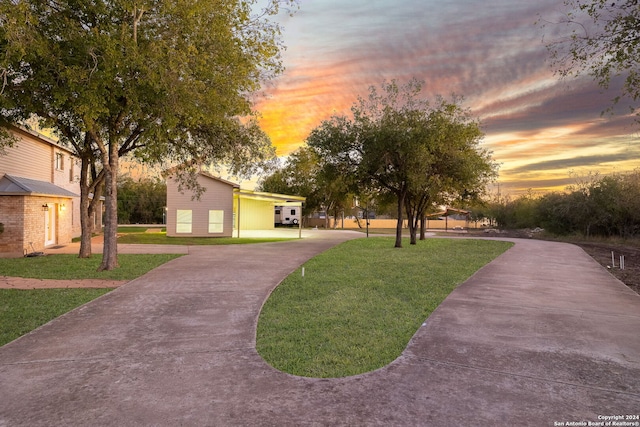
493 57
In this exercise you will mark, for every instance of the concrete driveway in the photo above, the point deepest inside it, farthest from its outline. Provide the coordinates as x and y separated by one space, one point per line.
540 336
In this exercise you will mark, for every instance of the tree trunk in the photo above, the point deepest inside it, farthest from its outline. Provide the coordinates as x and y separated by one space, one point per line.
85 217
412 220
401 197
423 227
110 248
412 230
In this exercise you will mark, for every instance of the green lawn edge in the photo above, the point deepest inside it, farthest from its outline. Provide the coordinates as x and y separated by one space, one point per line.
23 310
160 238
359 303
70 267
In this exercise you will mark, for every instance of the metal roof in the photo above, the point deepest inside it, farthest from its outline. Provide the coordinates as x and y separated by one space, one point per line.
449 212
278 199
18 186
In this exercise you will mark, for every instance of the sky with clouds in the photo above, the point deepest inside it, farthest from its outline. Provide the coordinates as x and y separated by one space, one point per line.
541 129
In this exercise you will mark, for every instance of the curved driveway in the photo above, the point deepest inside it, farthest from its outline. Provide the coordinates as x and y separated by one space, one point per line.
542 335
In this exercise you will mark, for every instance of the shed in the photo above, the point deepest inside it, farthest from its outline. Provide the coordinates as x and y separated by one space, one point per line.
223 210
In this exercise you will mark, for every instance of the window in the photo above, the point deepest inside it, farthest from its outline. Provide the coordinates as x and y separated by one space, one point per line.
59 162
293 211
71 171
216 221
183 221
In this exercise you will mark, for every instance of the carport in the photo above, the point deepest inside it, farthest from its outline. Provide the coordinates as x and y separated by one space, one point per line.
223 210
254 210
446 213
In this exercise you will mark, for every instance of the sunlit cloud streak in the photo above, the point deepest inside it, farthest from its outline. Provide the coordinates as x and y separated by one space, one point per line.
568 164
491 53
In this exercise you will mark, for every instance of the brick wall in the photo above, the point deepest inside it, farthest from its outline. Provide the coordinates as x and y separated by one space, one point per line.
65 226
11 215
34 223
24 224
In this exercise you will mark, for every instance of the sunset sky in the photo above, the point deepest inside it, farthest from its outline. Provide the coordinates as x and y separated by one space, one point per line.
492 53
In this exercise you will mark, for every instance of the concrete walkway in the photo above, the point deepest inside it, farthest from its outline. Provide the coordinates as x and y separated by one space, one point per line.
542 335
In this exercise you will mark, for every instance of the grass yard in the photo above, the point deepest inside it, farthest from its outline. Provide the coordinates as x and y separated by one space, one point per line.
70 267
160 238
22 311
359 304
138 229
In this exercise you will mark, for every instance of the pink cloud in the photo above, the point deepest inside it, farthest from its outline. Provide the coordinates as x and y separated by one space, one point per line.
489 52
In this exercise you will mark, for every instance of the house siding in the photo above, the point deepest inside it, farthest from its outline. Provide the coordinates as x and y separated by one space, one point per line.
23 216
28 158
218 196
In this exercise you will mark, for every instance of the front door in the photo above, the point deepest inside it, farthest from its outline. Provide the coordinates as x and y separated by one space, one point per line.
50 225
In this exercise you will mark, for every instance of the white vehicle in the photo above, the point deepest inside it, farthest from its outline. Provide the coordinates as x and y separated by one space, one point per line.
287 215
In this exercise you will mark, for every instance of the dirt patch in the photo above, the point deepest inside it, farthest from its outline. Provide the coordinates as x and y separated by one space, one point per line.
24 283
601 252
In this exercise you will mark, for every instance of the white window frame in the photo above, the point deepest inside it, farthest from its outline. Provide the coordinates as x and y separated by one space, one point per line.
71 169
59 162
216 221
184 221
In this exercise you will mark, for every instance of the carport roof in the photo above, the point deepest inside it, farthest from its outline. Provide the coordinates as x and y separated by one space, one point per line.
448 212
18 186
278 199
275 198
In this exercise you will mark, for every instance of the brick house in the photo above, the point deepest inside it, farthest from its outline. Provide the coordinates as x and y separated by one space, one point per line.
39 194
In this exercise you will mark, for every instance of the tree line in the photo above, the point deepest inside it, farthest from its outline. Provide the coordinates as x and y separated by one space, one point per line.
607 206
142 201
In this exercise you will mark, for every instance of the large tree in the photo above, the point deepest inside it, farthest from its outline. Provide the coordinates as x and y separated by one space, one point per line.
457 168
399 144
168 80
603 41
336 180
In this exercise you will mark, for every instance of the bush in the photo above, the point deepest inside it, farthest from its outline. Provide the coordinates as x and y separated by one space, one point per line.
600 206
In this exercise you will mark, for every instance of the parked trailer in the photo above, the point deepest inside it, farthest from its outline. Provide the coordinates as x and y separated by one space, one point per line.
286 215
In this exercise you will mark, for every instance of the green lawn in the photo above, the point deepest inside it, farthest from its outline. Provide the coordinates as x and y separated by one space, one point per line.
359 304
137 229
24 310
68 266
160 238
21 311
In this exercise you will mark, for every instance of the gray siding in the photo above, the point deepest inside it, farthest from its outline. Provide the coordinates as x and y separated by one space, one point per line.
219 196
28 158
33 158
